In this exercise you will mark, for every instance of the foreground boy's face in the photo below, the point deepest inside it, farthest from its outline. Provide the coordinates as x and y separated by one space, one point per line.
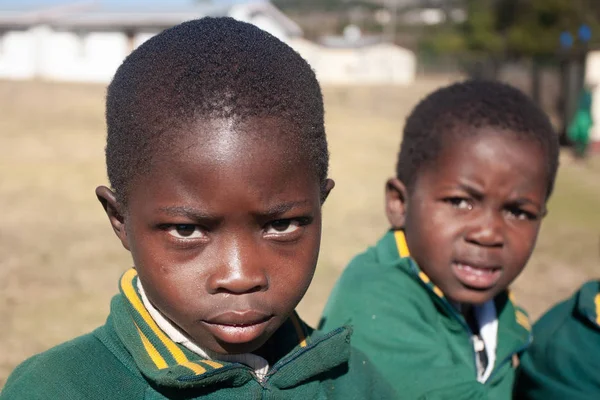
225 232
472 218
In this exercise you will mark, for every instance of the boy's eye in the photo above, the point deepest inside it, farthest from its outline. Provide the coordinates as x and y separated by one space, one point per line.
282 226
521 215
185 231
460 202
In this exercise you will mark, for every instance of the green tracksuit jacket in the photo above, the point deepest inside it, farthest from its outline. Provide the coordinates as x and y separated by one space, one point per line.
413 335
564 360
131 358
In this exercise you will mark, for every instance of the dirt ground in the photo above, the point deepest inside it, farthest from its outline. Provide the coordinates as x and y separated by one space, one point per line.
60 262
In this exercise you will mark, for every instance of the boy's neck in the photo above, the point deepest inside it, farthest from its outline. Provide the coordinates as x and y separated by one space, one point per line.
467 310
462 308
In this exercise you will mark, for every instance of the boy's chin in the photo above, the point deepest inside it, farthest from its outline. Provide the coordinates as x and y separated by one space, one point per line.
470 296
240 348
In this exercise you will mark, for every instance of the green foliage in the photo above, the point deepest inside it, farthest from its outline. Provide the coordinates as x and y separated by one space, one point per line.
529 28
480 29
442 40
537 25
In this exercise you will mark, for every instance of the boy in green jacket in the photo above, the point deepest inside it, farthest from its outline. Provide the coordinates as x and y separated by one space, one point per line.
564 360
217 158
429 303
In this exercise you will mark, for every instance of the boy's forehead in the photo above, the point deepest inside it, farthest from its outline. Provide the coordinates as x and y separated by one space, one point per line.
225 140
486 136
235 130
215 163
216 146
491 155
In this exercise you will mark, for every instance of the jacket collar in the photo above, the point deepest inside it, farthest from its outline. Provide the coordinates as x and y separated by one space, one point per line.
393 249
588 303
169 364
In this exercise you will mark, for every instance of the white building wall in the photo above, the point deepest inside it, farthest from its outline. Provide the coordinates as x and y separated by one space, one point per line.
392 63
245 14
85 56
42 52
141 37
371 65
592 78
65 55
17 55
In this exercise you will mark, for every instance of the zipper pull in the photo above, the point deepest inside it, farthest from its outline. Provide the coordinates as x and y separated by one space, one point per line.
478 344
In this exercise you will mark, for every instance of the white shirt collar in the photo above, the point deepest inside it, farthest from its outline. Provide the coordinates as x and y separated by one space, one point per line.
487 319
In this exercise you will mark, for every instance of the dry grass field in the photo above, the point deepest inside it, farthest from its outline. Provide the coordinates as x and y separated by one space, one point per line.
59 260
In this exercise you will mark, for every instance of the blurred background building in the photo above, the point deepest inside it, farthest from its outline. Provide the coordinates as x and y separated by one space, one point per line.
540 46
87 41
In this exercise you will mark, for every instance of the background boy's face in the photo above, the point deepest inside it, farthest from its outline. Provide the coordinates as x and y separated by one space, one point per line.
472 217
225 231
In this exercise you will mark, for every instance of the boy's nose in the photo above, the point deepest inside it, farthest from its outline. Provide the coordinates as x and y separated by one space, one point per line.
487 230
240 270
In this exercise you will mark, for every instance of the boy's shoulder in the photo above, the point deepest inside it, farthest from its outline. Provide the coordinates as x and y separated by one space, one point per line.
380 264
365 378
58 360
376 280
80 368
565 355
343 371
579 315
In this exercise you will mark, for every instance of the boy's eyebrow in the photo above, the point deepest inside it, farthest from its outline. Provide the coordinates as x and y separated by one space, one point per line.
284 207
185 211
524 200
478 195
190 212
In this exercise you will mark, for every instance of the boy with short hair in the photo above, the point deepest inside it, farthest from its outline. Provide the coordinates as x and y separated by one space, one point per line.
217 158
429 303
564 359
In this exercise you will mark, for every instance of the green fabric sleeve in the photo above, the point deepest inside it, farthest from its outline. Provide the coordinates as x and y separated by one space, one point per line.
394 330
564 360
78 369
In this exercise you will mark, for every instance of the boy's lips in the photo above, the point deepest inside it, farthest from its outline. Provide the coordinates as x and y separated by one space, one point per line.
238 326
476 276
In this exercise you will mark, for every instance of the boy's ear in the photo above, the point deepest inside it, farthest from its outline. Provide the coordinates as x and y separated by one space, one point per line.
113 209
395 202
329 184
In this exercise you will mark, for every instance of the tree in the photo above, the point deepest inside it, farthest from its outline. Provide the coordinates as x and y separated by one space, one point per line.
499 29
537 25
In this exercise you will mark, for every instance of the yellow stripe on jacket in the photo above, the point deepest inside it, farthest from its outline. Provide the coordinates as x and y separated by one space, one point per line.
136 302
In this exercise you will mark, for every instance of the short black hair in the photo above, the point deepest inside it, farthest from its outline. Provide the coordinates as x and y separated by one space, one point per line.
208 68
449 113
